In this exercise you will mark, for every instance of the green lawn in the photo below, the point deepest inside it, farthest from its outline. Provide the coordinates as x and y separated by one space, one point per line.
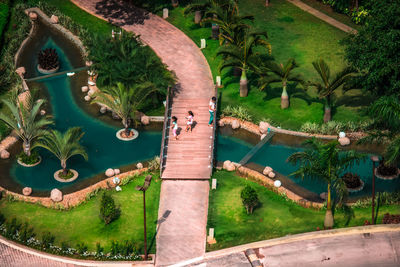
83 224
275 217
292 33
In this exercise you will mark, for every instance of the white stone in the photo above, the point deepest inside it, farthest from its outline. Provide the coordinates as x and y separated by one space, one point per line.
117 171
211 233
221 123
342 134
214 184
267 170
109 172
27 191
165 13
264 127
21 71
85 89
103 109
263 136
235 124
56 195
218 80
277 183
87 98
231 167
33 15
43 112
118 188
271 175
145 120
116 180
54 19
139 165
4 154
344 141
91 92
226 163
91 83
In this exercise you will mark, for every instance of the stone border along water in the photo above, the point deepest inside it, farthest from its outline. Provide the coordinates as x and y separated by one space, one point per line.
29 165
61 180
75 198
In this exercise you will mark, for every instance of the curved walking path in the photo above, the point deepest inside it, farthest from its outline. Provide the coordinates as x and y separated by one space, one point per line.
323 16
181 233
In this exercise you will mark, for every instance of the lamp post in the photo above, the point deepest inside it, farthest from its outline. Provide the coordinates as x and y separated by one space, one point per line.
143 188
374 159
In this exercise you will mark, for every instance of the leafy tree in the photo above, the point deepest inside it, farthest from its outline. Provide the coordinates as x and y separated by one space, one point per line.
325 162
125 102
108 210
272 72
375 49
25 119
63 145
249 198
243 56
328 86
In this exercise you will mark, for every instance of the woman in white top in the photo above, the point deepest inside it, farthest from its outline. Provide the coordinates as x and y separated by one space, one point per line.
211 109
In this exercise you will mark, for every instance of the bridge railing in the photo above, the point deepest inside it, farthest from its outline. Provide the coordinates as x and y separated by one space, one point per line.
213 141
165 131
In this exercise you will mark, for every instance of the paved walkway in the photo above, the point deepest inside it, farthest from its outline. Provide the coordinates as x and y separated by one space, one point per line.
182 234
323 16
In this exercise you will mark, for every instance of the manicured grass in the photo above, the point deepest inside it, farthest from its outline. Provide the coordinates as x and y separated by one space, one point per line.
83 224
275 217
292 33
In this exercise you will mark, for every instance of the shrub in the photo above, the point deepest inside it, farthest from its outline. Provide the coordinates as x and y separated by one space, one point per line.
47 240
2 219
12 228
81 248
26 232
237 112
32 159
154 164
249 198
99 249
108 210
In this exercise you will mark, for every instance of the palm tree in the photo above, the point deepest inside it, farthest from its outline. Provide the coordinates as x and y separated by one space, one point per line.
64 145
124 101
231 24
328 86
242 55
272 72
24 119
202 7
325 162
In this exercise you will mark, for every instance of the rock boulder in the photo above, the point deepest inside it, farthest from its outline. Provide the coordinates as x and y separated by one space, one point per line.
235 124
271 175
139 165
221 123
267 170
117 171
264 127
54 19
87 98
33 15
344 141
109 172
4 154
229 166
145 120
27 191
56 195
103 109
84 89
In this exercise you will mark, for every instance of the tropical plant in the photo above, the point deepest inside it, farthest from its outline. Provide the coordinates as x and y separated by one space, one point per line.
272 72
325 162
328 86
63 145
232 26
124 101
243 56
203 7
237 112
24 118
48 59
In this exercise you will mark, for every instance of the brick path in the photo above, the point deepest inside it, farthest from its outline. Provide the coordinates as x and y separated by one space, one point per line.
183 233
323 16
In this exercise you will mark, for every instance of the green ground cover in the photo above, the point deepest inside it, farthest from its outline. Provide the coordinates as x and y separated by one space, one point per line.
275 217
4 11
83 223
292 33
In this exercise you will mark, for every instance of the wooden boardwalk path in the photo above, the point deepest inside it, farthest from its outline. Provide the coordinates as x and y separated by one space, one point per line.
184 190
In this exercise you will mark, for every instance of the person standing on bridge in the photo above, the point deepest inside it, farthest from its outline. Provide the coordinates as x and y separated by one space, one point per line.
174 127
212 109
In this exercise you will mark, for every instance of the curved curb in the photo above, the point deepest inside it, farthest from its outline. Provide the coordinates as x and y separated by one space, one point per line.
61 180
77 262
135 135
29 165
44 71
387 178
357 189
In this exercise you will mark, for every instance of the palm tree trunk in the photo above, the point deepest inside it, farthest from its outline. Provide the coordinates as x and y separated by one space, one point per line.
284 97
266 2
328 221
197 17
174 3
27 148
64 167
327 110
126 126
243 84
